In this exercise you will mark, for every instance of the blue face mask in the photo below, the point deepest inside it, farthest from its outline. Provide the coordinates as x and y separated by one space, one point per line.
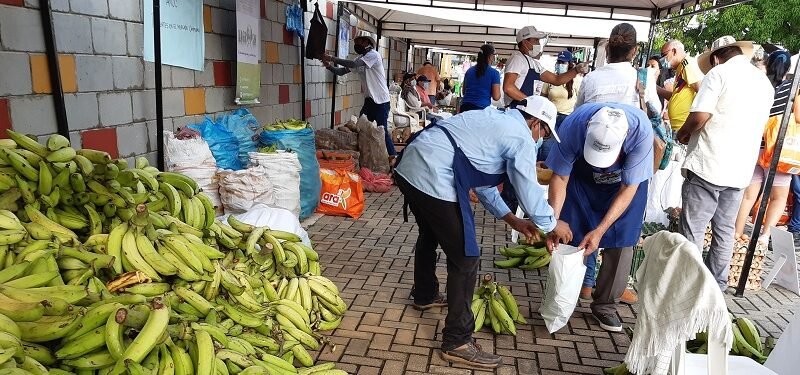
539 143
561 68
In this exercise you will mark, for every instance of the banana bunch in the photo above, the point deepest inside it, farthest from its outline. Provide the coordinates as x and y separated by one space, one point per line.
495 307
524 257
746 341
109 268
620 369
290 124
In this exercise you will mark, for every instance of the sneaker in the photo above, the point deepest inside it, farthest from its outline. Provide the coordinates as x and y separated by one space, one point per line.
471 355
608 322
439 301
586 294
796 237
629 297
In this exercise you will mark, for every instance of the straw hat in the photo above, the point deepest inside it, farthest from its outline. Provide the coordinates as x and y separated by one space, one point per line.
704 60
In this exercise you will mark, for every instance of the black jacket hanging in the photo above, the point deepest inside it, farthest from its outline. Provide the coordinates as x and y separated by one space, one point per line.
317 36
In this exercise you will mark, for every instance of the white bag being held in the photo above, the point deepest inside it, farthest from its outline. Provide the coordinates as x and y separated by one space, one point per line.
564 283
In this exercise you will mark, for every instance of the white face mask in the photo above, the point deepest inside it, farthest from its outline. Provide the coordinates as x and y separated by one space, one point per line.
561 68
535 50
413 82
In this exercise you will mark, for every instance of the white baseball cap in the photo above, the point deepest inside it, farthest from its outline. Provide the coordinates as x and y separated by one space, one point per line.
606 132
528 32
541 108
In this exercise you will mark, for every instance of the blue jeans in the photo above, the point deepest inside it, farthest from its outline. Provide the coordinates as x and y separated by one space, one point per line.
794 223
549 143
380 114
591 265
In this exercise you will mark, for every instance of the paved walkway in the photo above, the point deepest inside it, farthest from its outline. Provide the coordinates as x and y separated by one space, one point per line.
371 259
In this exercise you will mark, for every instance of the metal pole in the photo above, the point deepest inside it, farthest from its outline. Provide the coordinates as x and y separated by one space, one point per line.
336 52
304 115
650 38
55 72
159 98
751 248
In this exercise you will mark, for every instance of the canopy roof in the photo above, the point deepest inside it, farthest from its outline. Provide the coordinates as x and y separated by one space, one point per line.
463 25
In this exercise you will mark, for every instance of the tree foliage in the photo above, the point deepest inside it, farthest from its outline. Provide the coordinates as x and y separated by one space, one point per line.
762 21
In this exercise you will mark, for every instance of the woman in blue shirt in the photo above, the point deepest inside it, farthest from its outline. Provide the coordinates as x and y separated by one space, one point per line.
481 82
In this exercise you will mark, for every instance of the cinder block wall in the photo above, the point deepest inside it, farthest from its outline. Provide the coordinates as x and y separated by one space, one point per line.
109 88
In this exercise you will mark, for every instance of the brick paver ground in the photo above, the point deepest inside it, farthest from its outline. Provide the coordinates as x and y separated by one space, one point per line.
371 260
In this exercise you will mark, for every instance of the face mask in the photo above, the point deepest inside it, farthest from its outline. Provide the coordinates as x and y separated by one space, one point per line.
413 82
663 62
361 49
540 139
425 85
535 50
561 68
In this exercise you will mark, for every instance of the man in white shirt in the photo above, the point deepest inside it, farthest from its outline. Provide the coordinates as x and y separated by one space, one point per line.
723 131
376 95
525 75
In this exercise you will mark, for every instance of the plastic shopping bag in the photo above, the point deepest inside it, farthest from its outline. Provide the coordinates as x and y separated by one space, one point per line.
222 142
564 283
342 193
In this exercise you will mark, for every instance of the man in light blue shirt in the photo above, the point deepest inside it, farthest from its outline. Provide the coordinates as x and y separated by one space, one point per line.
474 150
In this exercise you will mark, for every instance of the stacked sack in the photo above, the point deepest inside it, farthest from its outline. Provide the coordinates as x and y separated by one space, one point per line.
240 190
192 157
282 168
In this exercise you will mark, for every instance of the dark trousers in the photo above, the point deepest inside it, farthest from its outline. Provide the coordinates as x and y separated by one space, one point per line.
439 223
380 114
612 279
794 223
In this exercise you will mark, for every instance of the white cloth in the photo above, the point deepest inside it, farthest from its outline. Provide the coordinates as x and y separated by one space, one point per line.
520 64
738 96
610 83
373 77
678 297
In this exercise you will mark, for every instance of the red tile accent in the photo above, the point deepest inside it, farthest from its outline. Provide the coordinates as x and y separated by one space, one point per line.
288 37
283 94
308 108
101 139
263 9
337 118
353 31
5 118
329 10
222 73
18 3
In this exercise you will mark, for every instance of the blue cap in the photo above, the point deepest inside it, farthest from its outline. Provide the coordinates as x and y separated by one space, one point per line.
565 56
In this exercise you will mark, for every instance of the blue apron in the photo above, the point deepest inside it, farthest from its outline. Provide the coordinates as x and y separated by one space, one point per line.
590 192
466 177
528 88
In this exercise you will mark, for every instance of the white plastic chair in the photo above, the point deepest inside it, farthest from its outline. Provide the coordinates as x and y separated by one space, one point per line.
400 116
716 362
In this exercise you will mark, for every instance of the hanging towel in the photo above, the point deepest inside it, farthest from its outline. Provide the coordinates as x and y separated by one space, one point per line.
294 19
678 298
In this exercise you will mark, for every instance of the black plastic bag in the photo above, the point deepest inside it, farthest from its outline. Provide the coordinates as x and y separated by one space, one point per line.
317 36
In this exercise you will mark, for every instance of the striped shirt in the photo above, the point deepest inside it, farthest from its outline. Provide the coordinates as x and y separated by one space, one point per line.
781 97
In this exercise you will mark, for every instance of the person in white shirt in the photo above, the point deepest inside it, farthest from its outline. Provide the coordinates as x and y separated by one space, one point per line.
376 94
524 74
723 131
616 81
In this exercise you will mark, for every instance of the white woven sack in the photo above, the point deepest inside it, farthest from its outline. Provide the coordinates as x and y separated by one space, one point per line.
283 170
193 158
240 190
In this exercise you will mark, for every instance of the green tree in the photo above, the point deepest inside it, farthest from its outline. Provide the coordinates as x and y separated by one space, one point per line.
762 21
